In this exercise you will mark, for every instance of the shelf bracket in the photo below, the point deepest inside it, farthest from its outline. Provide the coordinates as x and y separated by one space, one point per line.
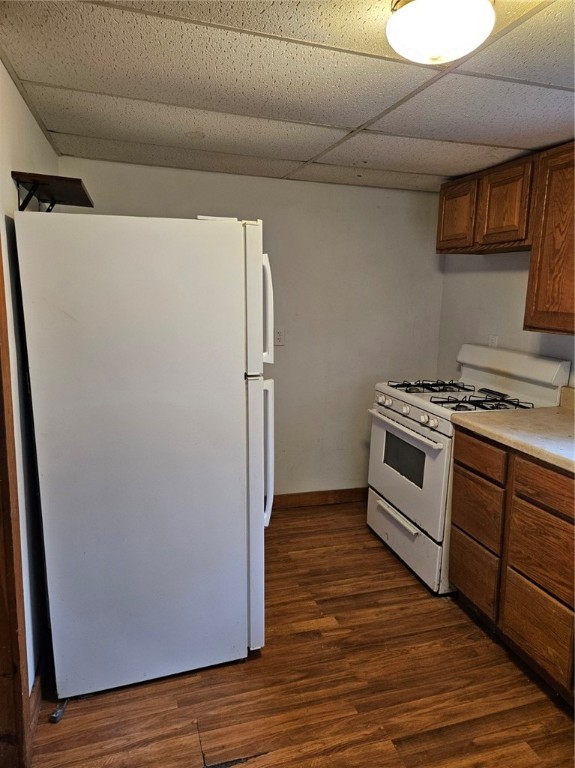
23 204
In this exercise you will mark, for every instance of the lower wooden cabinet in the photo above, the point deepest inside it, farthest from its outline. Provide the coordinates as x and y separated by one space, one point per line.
540 549
511 551
539 625
544 486
475 571
478 508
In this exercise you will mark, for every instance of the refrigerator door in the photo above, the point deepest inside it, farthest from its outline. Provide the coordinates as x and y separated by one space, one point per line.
268 296
256 490
269 446
260 496
136 337
260 302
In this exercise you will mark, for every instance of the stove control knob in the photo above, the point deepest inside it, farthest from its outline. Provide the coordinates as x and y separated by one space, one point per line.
406 409
424 418
434 423
381 399
388 402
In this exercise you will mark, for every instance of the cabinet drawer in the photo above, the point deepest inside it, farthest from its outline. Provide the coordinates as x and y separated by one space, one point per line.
477 508
416 549
474 571
541 547
481 456
539 624
545 486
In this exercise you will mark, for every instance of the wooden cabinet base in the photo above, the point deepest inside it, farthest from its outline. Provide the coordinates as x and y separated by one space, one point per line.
511 552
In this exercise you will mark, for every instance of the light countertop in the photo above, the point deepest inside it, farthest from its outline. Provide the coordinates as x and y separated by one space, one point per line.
545 433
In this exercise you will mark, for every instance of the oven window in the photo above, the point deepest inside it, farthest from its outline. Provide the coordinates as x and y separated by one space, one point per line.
404 458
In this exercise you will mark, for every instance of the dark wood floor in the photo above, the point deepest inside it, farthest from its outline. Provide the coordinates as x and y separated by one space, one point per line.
363 668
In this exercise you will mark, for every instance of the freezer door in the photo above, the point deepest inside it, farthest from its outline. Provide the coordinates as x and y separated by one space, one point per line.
260 301
136 339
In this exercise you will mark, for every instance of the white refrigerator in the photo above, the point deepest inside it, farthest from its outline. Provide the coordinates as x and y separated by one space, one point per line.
153 423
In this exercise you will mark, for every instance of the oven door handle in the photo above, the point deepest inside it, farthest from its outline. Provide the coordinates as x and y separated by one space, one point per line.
405 430
399 519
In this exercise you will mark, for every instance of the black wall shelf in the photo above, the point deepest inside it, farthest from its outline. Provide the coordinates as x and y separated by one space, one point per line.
51 190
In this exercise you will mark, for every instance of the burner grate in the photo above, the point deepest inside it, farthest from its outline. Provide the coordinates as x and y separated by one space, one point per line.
495 401
429 385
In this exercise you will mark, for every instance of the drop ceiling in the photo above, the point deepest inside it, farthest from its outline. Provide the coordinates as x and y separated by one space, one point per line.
306 90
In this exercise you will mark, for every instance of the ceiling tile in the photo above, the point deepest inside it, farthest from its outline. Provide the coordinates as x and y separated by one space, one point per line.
107 50
113 117
484 111
396 153
367 177
171 157
353 26
540 49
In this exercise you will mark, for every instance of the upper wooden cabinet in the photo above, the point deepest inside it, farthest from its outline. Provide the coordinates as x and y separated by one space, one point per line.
487 212
457 214
503 205
550 290
511 207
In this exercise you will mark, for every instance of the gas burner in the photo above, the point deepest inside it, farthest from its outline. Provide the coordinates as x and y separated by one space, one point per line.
461 406
428 385
454 403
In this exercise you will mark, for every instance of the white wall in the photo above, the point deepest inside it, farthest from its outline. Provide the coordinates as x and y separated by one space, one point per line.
485 295
357 289
23 147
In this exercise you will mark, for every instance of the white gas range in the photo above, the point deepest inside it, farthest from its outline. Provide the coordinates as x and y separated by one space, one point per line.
410 463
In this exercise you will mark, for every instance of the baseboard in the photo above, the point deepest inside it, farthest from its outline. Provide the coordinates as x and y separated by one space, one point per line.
320 498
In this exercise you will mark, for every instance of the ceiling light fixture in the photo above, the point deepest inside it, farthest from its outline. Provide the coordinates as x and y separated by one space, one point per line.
438 31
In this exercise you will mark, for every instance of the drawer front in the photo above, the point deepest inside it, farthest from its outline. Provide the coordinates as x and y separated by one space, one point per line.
541 548
539 625
474 571
477 508
480 456
545 486
416 549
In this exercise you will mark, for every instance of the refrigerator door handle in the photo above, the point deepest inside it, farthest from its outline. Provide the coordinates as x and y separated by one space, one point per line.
268 312
269 449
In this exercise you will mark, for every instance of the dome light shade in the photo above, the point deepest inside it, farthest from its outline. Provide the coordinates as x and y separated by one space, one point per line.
438 31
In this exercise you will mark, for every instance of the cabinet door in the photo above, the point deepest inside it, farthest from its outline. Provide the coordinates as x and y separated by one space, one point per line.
550 291
474 571
503 208
540 625
477 508
456 214
540 546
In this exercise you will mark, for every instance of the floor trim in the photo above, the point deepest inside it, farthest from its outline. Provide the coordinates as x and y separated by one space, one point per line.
320 498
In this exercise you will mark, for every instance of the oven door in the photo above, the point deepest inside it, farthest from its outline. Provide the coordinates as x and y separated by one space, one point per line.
409 466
